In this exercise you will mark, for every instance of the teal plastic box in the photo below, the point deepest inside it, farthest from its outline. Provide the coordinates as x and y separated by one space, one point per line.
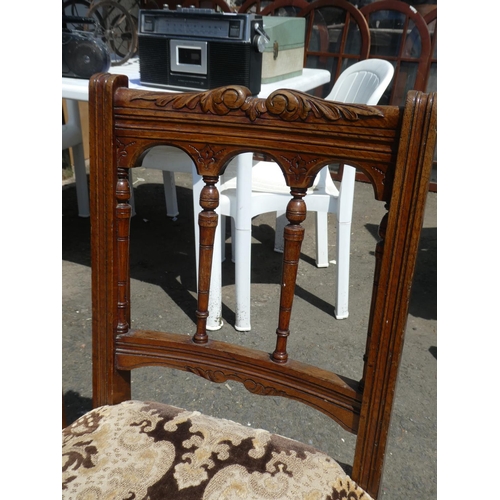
283 56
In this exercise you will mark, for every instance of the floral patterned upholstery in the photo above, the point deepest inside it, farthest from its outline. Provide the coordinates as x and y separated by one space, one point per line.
143 450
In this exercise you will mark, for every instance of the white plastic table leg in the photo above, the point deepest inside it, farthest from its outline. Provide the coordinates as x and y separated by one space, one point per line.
82 190
281 222
72 138
233 240
243 234
222 224
214 320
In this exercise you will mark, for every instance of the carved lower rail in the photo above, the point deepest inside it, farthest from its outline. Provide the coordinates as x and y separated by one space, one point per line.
338 397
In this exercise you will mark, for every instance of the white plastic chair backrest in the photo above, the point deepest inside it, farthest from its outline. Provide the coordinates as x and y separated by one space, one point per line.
362 83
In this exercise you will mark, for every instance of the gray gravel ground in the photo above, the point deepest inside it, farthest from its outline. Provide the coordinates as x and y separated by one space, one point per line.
163 298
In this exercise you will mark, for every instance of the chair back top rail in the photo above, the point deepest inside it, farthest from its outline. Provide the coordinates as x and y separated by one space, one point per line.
273 126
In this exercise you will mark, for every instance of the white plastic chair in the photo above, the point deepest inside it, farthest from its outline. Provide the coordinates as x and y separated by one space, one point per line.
362 83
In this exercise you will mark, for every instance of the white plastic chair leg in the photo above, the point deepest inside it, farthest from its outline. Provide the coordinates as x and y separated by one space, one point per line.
344 220
169 160
170 193
322 219
214 320
322 239
342 274
132 197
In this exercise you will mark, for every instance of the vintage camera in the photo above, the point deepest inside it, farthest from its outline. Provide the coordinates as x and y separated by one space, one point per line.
197 49
82 53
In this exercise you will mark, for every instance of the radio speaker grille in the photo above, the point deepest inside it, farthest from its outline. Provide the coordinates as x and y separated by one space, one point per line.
229 64
153 57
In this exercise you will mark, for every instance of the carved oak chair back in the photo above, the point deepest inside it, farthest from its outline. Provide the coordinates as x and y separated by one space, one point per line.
392 145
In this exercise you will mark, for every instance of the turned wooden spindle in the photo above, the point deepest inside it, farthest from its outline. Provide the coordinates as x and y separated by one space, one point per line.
207 220
123 214
293 237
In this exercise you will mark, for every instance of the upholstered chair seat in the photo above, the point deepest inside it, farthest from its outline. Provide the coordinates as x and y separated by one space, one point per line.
144 450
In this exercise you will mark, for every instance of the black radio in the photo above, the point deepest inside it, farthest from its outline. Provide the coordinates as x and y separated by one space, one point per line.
202 49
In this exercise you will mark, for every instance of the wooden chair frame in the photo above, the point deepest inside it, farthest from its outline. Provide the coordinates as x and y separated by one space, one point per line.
430 18
392 145
296 5
353 15
422 61
254 6
218 5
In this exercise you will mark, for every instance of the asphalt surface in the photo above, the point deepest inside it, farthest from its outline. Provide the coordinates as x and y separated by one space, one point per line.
164 298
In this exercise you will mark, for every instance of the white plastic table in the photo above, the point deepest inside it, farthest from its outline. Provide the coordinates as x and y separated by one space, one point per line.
76 89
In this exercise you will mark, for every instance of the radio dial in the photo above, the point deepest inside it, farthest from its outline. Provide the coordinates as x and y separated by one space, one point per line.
259 43
260 40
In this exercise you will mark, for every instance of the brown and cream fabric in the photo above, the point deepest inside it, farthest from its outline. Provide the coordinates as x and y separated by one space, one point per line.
143 450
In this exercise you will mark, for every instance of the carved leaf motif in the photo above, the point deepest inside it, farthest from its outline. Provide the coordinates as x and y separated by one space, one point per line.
223 100
289 105
219 376
298 166
258 388
254 108
121 150
293 105
162 99
214 376
206 156
218 101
